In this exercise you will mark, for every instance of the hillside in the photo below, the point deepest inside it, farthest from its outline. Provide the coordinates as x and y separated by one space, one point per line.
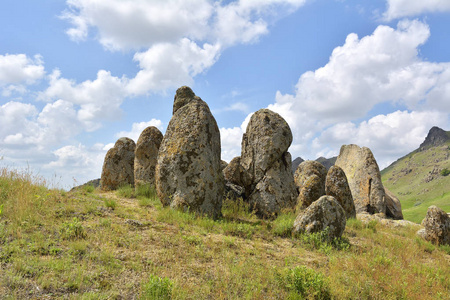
87 244
420 179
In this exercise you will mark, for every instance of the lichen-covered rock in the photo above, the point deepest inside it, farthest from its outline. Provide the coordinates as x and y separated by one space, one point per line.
311 190
233 172
188 173
146 156
275 191
308 168
336 185
323 213
363 177
118 166
183 96
393 206
436 226
223 165
266 164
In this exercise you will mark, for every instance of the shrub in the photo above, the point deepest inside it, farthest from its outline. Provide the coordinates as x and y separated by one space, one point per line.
157 288
283 224
110 203
126 191
323 242
306 283
445 172
72 230
146 190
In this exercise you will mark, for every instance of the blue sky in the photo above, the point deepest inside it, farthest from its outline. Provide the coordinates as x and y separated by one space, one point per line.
76 75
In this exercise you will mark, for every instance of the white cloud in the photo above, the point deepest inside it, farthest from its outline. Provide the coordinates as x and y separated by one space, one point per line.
17 71
137 128
98 100
168 65
125 24
388 136
230 139
77 163
406 8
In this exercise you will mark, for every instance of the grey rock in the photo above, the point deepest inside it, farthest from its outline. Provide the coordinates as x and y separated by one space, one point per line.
393 206
118 167
146 156
336 185
233 172
323 213
188 173
311 190
437 226
364 178
308 168
266 164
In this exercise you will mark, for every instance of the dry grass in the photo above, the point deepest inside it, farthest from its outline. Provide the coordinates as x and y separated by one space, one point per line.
72 245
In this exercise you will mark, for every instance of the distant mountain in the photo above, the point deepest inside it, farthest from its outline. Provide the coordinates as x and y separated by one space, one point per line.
327 162
420 179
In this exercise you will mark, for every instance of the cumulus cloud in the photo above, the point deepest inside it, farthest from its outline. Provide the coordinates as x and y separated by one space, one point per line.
406 8
98 100
137 128
125 24
382 68
167 65
19 70
388 136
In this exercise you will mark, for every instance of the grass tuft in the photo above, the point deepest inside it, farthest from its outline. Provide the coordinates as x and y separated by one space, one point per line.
157 288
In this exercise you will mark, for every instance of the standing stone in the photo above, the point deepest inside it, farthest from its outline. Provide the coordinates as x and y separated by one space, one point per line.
188 173
233 172
336 185
118 167
312 189
308 168
323 213
146 156
364 179
266 164
437 226
393 206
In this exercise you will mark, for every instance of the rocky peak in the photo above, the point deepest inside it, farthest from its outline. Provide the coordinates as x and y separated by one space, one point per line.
436 136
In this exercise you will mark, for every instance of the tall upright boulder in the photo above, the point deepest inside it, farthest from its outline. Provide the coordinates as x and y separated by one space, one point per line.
336 185
310 182
188 174
364 178
146 156
266 164
118 166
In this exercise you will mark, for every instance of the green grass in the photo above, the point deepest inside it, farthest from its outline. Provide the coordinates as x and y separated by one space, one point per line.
57 245
412 188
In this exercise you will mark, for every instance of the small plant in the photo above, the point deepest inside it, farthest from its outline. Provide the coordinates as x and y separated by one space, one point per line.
372 225
1 209
323 242
445 172
111 203
157 288
73 230
306 283
126 191
283 224
89 188
146 190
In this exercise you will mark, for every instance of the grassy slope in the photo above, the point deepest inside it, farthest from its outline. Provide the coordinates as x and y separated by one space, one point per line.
82 245
415 194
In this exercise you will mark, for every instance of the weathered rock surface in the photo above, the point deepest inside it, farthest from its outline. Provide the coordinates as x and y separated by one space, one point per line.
323 213
295 163
380 218
188 173
233 172
266 164
436 226
312 189
336 185
436 137
223 165
183 96
308 168
118 166
363 177
146 156
393 206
